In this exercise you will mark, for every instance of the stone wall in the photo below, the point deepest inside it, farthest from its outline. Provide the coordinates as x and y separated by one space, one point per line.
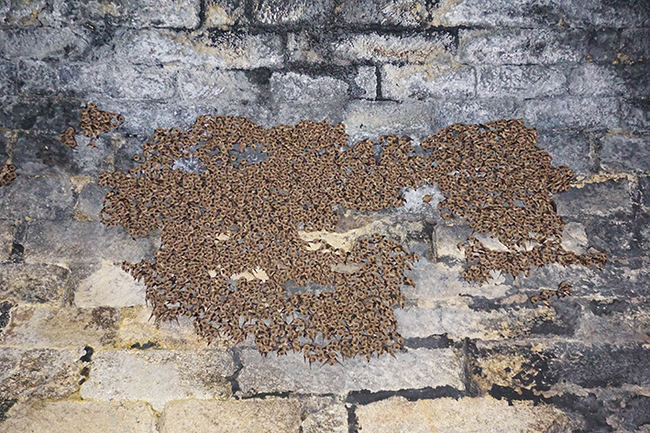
76 336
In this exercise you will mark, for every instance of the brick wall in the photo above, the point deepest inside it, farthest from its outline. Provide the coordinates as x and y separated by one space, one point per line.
76 335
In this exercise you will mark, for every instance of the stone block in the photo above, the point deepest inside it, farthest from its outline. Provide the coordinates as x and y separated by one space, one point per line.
138 329
61 328
90 202
413 368
38 374
590 79
521 46
478 110
468 414
366 83
621 152
630 48
7 233
216 87
32 283
36 197
275 12
635 114
333 419
83 242
568 147
44 43
427 81
600 199
273 415
343 49
411 14
499 13
223 14
109 286
573 112
526 81
158 376
76 416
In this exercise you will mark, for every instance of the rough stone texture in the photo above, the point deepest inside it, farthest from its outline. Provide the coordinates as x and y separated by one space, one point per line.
463 415
32 283
38 373
76 416
158 376
47 327
416 368
70 319
109 286
272 415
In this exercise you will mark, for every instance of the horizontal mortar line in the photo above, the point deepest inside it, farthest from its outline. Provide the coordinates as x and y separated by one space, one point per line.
411 394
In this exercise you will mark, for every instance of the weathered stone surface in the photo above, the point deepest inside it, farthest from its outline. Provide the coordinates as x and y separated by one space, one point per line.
530 81
38 373
129 13
215 86
568 147
630 48
223 14
7 233
332 419
205 48
515 318
42 154
51 114
47 327
614 321
82 242
414 368
275 12
77 416
370 47
44 43
384 12
32 283
109 286
273 415
466 414
90 202
36 197
158 376
296 97
499 13
572 112
138 329
478 110
622 152
600 199
521 46
595 80
118 80
635 114
370 119
366 82
425 81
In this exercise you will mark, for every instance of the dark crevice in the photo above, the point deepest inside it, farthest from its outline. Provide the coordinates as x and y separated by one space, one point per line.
366 397
88 354
234 385
201 15
353 421
431 342
379 95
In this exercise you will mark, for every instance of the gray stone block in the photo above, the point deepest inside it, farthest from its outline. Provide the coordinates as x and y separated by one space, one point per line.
223 14
601 199
572 112
590 79
625 152
345 49
44 43
32 283
275 12
529 81
40 114
412 368
479 110
82 242
632 49
212 86
521 46
365 82
635 114
36 197
427 81
568 147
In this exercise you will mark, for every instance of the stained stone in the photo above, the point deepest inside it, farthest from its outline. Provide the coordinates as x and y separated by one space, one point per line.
32 283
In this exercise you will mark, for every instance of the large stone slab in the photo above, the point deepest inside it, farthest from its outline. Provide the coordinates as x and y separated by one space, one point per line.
48 327
32 283
272 415
465 415
159 376
109 286
413 368
38 373
77 416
